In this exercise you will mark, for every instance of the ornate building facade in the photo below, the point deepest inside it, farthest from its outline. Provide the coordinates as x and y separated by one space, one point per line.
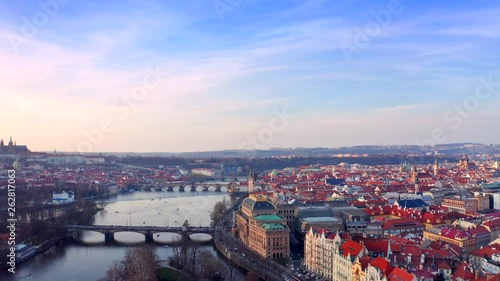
260 228
328 256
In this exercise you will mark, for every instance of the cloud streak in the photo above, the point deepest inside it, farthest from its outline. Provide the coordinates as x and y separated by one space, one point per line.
235 72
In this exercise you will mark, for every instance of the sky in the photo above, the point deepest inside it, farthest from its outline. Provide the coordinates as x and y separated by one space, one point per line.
172 76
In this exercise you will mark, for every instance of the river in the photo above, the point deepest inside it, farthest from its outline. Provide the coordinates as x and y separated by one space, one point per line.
89 258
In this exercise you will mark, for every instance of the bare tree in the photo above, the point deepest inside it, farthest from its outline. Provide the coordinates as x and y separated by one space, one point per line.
208 267
116 272
181 254
140 264
218 213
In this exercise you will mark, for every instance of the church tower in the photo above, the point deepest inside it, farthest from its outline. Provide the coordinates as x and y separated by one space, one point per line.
464 163
414 175
251 181
436 167
10 142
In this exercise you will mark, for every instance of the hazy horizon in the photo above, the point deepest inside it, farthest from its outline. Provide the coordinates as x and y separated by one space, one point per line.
267 149
219 75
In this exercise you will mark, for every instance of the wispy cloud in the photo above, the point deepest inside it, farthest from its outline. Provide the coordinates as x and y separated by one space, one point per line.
402 108
235 72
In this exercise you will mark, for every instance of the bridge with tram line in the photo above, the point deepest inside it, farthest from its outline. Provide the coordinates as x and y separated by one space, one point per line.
148 231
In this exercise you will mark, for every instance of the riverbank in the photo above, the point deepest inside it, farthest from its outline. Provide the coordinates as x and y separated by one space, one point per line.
52 241
88 257
168 274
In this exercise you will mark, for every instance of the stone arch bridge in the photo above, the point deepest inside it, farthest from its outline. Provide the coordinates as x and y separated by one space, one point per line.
148 231
182 186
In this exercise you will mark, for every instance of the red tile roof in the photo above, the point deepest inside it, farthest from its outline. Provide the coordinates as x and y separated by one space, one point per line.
487 250
351 247
365 260
443 265
463 271
377 246
382 264
399 274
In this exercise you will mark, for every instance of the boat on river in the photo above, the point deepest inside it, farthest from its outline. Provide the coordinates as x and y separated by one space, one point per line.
24 252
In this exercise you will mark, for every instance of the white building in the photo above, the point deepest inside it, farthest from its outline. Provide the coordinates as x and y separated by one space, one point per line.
66 159
491 265
63 197
94 160
328 256
203 171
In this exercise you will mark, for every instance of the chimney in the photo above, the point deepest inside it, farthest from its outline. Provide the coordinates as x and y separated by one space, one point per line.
476 274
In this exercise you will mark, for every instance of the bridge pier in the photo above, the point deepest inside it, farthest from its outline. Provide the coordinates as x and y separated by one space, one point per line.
193 188
218 187
181 188
232 187
149 237
205 187
170 188
109 237
185 236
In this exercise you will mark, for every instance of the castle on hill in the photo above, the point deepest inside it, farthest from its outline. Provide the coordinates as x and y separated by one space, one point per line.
12 148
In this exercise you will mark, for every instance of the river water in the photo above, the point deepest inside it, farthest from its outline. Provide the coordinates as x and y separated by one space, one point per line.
89 258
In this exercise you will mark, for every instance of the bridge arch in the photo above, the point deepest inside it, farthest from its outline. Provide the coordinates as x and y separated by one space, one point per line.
167 237
131 237
201 237
89 236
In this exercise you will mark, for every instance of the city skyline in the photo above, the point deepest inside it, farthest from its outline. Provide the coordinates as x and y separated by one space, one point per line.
215 75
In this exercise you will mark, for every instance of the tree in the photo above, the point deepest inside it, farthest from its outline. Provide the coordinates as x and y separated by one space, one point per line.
208 267
181 255
219 209
116 272
140 264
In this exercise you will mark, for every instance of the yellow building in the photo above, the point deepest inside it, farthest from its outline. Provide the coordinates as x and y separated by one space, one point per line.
462 238
261 229
461 205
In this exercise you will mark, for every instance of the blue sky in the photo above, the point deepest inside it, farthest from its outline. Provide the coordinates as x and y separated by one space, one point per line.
348 72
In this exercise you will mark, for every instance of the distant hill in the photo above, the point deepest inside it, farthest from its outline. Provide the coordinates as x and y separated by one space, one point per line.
352 151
